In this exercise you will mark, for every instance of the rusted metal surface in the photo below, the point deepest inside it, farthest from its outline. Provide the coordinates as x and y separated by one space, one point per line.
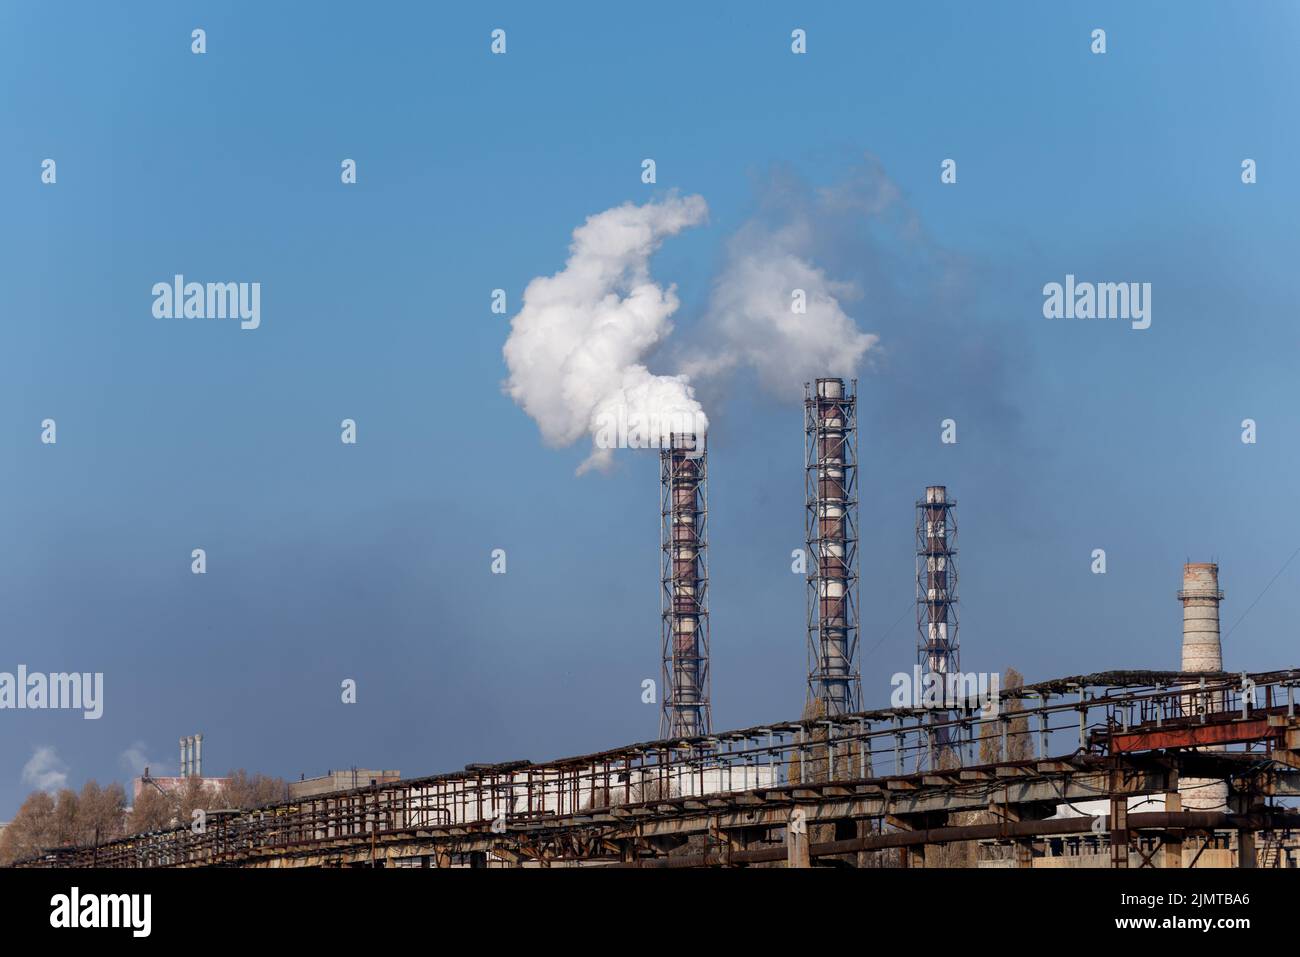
938 648
684 586
1155 821
1198 735
645 800
831 528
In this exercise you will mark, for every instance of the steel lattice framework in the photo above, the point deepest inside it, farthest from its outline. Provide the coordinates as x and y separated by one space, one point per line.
1113 736
684 591
938 648
831 526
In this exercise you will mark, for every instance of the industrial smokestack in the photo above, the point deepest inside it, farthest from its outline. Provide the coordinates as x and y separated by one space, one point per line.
198 755
830 519
938 649
1202 652
684 577
1200 596
184 757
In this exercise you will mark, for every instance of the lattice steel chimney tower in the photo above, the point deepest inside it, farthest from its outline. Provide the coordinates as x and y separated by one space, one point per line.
830 518
938 648
684 576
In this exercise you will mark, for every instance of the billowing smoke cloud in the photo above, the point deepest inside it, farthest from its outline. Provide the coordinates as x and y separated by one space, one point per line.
776 312
45 772
578 346
772 309
577 349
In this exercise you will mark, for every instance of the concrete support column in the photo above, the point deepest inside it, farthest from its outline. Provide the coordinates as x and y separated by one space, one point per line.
1025 852
1119 833
1246 848
864 830
1174 836
738 839
796 841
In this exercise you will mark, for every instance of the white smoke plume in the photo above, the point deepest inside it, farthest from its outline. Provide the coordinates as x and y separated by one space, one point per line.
135 759
578 346
752 318
577 349
45 771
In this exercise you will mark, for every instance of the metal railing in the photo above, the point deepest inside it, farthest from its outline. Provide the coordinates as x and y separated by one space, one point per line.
1035 723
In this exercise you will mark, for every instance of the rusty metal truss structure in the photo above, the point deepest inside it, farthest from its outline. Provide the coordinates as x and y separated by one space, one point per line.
684 586
938 648
831 530
835 790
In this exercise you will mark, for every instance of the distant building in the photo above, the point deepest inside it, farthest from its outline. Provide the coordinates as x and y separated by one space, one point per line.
340 781
170 784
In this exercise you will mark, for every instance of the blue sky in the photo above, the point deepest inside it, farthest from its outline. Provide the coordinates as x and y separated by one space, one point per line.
372 562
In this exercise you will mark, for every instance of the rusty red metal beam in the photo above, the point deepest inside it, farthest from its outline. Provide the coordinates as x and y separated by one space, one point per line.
1189 733
1194 736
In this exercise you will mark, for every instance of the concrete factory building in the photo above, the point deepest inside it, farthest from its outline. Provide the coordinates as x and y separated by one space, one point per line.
340 781
191 767
171 784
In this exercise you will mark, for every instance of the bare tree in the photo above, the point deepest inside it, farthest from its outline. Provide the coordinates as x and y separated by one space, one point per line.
69 819
65 818
1019 746
98 814
101 813
193 796
244 790
152 811
31 831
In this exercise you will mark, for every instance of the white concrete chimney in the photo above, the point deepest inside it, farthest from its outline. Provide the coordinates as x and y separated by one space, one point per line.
1200 596
1202 652
198 755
